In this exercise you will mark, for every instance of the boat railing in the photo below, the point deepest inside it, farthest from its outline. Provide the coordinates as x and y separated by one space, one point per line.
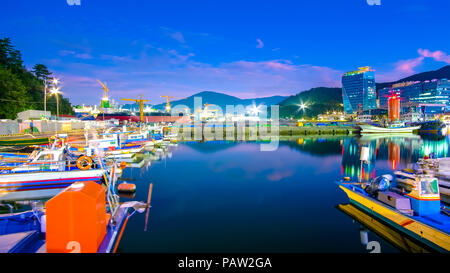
9 206
47 166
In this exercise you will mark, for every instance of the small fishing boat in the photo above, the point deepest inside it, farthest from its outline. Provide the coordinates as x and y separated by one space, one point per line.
393 128
84 218
416 212
113 146
432 127
47 174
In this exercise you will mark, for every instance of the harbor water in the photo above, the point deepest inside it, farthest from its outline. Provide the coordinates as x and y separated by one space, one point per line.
223 196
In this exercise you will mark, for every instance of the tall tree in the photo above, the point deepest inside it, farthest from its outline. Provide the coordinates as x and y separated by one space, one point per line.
21 89
12 94
41 72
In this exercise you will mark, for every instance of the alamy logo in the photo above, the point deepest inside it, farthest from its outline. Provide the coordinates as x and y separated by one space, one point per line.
73 2
374 2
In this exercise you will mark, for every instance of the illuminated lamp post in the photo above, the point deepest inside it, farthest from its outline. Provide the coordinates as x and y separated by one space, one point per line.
55 91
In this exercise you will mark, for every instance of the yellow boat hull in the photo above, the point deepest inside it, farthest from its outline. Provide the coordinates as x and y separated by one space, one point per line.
396 238
432 237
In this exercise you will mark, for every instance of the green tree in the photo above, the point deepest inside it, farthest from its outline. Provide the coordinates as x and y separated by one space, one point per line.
41 72
12 95
9 57
26 89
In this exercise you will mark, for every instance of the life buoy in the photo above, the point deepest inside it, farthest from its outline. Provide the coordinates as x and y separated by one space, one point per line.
84 162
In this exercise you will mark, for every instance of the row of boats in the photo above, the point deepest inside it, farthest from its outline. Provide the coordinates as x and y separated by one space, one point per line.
69 172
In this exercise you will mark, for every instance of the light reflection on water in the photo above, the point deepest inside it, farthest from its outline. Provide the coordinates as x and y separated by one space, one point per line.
231 197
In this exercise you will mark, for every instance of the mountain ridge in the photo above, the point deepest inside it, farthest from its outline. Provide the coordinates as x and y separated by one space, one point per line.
221 99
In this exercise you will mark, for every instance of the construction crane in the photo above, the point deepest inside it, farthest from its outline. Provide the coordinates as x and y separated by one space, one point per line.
141 106
168 102
204 112
105 100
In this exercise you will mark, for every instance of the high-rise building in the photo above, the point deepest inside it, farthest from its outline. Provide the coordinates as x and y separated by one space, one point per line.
436 91
427 92
359 90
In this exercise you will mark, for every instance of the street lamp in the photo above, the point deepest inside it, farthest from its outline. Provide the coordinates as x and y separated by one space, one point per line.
55 91
54 82
45 96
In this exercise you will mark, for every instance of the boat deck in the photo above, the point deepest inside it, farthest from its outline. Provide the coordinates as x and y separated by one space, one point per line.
8 242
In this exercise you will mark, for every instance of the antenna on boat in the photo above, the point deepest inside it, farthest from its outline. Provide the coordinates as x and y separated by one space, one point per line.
149 197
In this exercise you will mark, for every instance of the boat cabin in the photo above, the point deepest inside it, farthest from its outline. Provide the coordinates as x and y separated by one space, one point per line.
422 190
48 160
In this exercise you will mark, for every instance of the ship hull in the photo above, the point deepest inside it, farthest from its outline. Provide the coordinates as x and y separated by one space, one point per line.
40 185
424 233
370 129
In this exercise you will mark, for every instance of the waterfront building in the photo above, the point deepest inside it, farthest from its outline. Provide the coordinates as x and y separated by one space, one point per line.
433 96
436 92
359 90
375 112
408 91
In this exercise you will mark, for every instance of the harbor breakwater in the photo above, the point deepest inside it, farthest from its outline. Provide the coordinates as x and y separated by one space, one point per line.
248 132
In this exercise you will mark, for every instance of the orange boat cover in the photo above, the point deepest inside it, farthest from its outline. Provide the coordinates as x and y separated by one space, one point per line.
76 219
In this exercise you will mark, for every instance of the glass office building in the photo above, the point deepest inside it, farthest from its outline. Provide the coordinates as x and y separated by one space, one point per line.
359 90
408 91
435 92
427 92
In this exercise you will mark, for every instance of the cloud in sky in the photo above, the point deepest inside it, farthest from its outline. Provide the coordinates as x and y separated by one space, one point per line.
176 35
260 43
409 65
178 70
437 55
181 75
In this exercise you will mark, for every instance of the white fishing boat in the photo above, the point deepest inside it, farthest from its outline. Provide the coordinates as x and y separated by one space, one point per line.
393 128
124 153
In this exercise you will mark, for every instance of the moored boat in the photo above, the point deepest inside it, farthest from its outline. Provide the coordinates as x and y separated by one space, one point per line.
24 141
390 129
432 127
84 218
48 173
416 212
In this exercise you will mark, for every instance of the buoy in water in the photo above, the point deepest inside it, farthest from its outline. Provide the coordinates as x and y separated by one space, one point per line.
126 187
123 165
129 195
347 178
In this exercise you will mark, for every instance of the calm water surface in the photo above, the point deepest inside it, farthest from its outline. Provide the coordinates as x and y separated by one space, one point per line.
231 197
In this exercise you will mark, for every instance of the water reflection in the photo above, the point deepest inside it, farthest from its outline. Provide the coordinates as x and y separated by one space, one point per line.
398 151
230 196
369 224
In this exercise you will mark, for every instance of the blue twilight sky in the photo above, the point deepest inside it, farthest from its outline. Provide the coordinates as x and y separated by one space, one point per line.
242 48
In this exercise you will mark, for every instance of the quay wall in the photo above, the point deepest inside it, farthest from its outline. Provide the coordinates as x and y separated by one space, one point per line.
9 127
254 131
